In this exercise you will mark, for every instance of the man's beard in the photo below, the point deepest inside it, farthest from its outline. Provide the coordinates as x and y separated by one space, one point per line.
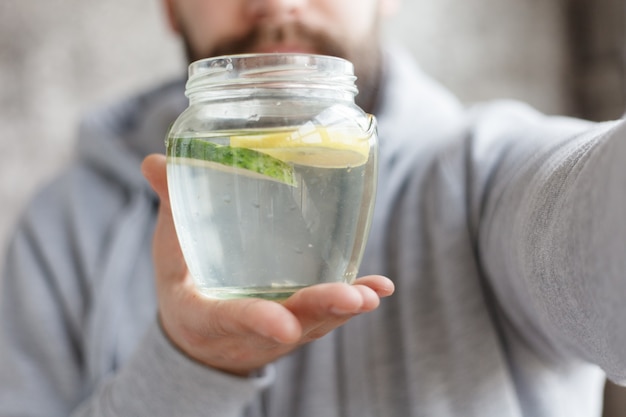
365 57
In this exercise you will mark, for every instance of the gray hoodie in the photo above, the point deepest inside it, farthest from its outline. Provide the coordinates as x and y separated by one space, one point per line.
503 230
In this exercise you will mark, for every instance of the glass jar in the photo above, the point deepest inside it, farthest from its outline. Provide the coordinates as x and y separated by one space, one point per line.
271 174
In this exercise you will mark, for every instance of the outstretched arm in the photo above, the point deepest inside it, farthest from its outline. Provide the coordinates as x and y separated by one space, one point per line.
553 237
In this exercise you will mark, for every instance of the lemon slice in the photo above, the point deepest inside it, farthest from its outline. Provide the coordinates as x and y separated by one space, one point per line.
310 145
241 161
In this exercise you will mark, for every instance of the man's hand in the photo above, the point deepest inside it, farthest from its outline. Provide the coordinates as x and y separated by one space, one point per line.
239 336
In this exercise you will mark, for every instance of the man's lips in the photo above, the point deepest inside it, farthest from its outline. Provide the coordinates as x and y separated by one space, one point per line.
284 48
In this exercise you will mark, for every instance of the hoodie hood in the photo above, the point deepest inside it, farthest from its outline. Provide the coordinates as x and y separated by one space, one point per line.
114 140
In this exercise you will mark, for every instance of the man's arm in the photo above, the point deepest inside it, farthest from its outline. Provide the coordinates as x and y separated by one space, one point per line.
553 235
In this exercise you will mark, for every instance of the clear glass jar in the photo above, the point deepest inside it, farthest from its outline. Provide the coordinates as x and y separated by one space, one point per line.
271 174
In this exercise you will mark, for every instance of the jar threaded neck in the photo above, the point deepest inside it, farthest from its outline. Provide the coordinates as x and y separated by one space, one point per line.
270 75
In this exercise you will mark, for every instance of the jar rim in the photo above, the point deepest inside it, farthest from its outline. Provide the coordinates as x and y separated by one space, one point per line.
270 70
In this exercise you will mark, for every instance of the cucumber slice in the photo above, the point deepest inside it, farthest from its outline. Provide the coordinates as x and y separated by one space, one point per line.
241 161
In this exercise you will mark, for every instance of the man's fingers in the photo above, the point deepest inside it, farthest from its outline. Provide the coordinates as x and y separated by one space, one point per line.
322 299
322 308
381 285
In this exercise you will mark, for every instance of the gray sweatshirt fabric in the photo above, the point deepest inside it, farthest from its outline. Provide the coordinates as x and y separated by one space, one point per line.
502 228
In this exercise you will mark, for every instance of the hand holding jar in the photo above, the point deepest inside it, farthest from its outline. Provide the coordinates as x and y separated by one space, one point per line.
268 196
243 334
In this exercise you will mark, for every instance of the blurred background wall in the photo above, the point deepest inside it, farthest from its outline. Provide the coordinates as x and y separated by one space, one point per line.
61 57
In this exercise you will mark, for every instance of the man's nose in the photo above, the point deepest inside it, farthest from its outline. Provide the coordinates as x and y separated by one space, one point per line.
280 9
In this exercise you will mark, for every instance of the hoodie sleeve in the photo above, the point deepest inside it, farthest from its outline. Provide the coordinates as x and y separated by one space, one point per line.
48 301
552 231
160 381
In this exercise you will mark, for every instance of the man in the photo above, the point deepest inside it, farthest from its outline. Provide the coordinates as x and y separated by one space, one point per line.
501 230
